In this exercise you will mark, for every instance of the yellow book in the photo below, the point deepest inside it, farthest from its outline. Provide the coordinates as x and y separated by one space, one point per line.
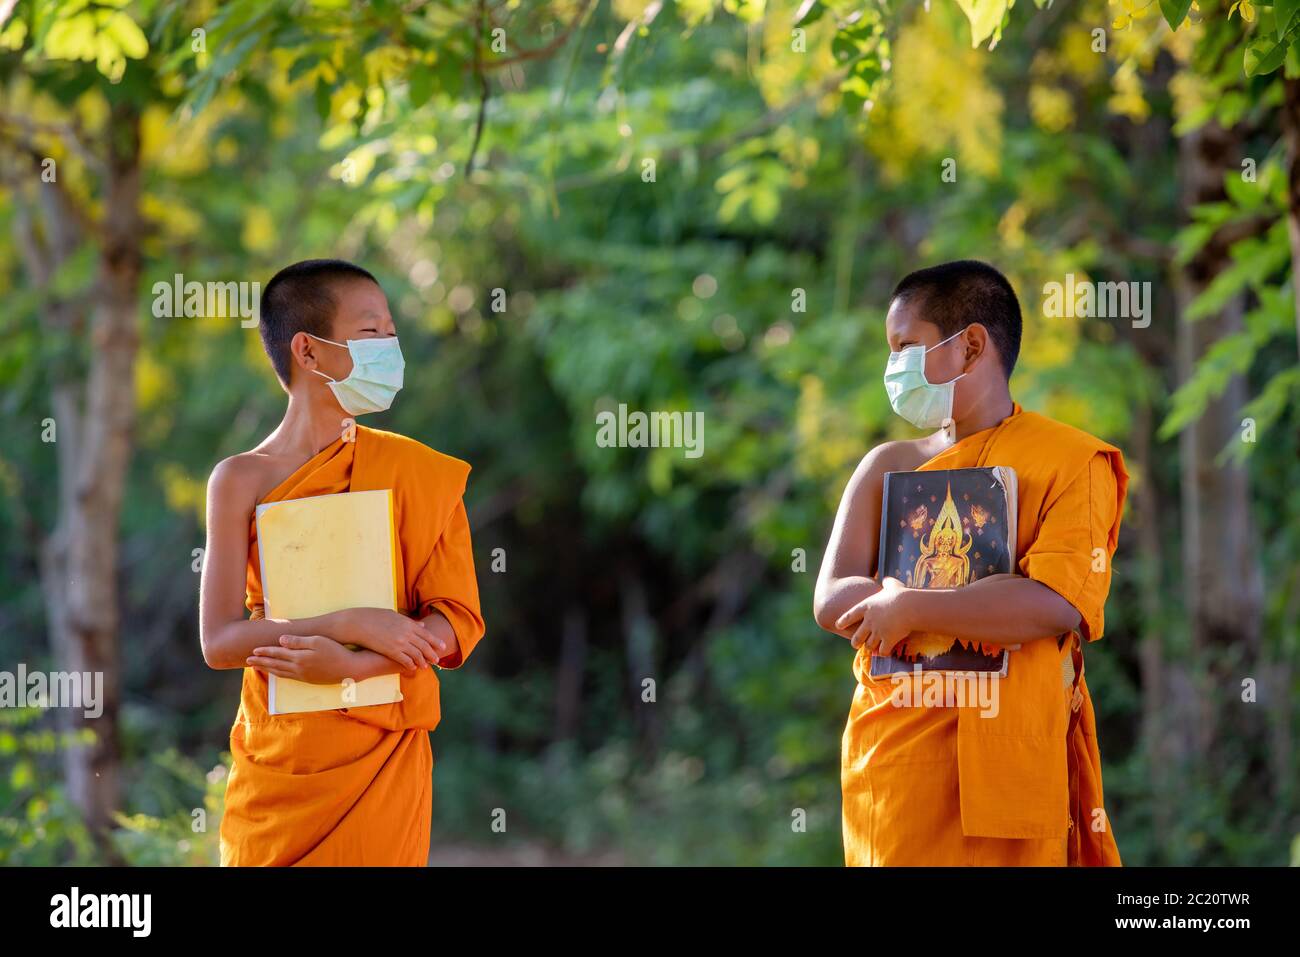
324 554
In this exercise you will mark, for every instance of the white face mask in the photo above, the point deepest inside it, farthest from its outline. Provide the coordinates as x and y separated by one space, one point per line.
925 404
376 375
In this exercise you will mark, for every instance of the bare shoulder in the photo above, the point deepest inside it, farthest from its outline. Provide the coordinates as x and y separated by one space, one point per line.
901 455
238 482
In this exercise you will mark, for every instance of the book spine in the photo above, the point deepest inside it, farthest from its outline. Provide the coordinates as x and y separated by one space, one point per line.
879 571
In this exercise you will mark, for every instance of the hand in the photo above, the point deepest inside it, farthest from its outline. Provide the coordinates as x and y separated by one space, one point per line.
441 634
391 634
881 619
311 658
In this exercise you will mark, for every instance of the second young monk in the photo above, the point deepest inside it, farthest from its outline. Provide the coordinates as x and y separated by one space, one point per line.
351 786
956 785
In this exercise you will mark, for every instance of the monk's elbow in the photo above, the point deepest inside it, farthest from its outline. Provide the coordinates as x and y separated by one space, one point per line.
822 617
1066 619
210 657
823 613
215 655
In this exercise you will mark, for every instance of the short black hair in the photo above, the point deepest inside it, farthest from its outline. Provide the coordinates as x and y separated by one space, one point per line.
954 295
300 298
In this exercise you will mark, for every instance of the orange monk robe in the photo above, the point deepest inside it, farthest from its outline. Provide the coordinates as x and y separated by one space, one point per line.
944 785
354 786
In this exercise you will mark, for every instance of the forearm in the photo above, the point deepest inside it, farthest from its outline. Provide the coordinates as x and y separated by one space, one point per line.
1002 609
837 597
371 664
229 645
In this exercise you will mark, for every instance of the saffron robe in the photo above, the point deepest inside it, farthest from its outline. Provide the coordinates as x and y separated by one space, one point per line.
947 786
354 786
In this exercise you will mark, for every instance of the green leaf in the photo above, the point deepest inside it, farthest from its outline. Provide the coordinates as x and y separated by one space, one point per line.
322 99
421 88
1175 11
1284 12
985 16
1265 54
302 65
1265 409
809 12
22 776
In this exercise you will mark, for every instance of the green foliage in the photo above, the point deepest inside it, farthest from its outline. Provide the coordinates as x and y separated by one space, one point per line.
38 826
986 18
183 837
1175 11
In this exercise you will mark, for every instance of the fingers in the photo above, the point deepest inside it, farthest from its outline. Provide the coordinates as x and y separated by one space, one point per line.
851 616
404 658
274 666
862 636
888 645
427 642
299 641
279 654
424 644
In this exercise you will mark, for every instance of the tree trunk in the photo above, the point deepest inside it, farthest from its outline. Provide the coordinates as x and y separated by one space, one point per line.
1155 720
568 684
81 558
639 641
1291 132
1221 577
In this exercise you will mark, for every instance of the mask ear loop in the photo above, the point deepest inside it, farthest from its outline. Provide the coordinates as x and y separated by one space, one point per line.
948 426
341 345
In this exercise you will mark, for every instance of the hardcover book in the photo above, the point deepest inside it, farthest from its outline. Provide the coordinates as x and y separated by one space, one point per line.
946 529
324 554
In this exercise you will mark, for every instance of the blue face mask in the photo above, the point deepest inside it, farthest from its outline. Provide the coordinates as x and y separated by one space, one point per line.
375 378
913 396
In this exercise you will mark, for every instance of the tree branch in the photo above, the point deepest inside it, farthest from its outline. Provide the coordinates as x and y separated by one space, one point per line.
544 51
71 135
483 89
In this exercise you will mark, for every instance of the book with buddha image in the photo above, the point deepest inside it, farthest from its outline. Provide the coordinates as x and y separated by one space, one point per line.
945 529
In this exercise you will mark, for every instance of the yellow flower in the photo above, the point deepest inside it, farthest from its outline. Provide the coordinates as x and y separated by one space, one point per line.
1051 108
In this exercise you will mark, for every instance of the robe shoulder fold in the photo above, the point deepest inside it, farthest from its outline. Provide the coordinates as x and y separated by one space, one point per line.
413 470
1049 454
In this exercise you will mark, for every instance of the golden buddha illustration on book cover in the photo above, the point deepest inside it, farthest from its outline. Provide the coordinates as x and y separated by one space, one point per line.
946 529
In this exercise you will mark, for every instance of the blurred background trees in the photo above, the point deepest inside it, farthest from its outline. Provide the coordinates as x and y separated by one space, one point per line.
690 206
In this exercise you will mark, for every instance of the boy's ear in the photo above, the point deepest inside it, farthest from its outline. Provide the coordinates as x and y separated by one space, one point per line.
976 341
302 351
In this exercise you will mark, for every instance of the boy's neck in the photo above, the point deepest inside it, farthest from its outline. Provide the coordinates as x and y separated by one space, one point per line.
308 427
984 415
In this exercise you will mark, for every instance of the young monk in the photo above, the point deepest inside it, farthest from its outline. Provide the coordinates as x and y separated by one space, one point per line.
349 786
964 785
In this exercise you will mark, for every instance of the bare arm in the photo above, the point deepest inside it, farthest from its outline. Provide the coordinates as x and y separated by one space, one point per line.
850 558
1000 609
